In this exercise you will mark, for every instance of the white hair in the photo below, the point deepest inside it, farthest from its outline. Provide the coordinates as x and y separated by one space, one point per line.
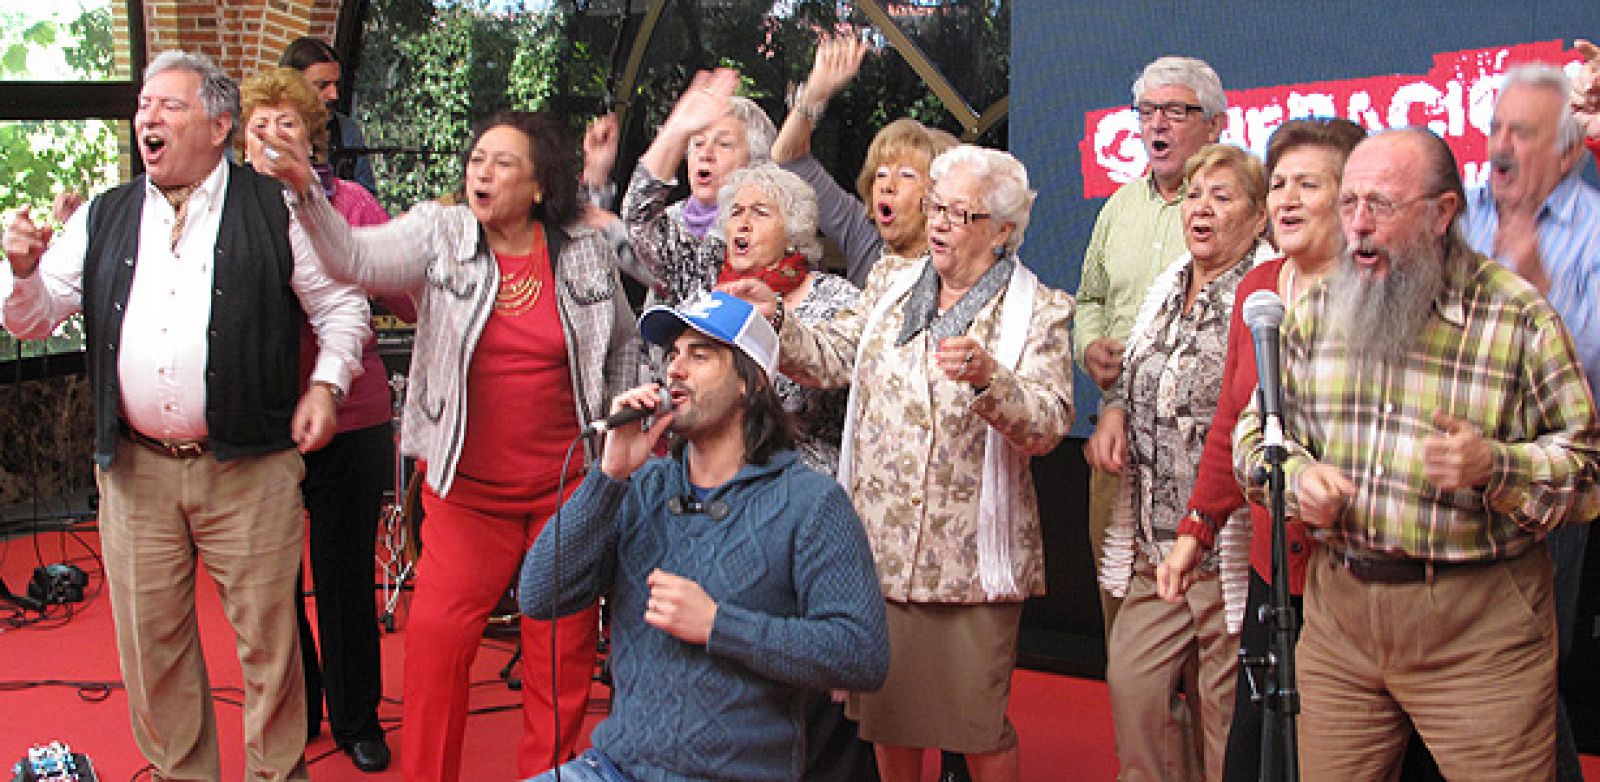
1188 72
795 199
218 93
759 132
1539 75
1005 184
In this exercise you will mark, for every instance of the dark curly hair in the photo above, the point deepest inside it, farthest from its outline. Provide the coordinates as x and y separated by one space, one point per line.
555 161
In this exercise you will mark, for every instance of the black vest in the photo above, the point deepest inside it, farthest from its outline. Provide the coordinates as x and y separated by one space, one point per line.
253 340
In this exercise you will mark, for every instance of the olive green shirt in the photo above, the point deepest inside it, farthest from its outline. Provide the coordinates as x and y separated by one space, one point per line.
1137 235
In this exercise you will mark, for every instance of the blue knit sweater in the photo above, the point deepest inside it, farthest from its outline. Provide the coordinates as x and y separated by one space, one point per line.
798 611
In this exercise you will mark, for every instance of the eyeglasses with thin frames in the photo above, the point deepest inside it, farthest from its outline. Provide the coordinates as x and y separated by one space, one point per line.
1378 207
1176 111
957 215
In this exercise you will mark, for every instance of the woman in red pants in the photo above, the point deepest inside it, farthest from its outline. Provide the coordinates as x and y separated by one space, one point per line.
523 334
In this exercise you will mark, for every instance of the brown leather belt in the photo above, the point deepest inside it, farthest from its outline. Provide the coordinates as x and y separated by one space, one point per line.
172 449
1398 571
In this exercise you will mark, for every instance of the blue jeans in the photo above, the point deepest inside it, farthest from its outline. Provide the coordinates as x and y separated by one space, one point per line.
591 766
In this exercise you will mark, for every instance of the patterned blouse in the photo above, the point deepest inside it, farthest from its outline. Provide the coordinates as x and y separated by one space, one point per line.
1170 381
683 264
818 414
919 445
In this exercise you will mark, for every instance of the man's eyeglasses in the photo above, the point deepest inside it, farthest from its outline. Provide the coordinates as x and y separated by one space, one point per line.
958 215
1176 111
1378 207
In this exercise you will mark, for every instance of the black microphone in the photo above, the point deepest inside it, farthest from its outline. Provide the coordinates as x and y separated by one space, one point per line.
628 415
1263 314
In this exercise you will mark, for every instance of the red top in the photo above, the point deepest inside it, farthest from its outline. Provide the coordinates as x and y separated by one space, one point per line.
1216 492
1594 146
521 413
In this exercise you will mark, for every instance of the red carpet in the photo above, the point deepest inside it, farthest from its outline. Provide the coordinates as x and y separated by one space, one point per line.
50 671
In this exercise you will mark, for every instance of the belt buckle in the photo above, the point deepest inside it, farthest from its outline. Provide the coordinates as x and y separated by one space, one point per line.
185 450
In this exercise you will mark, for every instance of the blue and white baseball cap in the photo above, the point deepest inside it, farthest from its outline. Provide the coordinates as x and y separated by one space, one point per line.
720 316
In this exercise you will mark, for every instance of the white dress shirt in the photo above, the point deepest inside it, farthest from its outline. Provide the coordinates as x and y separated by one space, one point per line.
162 358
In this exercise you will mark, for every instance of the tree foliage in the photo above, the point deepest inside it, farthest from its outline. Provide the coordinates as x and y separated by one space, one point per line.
428 68
44 157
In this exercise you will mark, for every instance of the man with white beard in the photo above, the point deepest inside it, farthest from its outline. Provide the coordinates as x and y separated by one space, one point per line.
1540 219
1438 427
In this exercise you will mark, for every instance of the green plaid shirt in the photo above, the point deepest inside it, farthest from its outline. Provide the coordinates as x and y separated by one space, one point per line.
1496 355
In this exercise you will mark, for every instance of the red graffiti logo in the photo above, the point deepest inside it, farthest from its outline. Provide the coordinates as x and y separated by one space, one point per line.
1454 99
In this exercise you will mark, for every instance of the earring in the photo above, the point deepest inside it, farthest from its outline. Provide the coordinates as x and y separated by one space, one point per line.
999 251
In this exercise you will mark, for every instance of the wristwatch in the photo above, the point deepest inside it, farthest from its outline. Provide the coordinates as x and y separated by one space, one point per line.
334 389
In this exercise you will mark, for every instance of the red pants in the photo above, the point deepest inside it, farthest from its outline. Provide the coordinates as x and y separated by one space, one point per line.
471 552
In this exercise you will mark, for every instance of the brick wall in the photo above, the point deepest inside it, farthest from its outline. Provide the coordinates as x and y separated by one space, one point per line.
243 36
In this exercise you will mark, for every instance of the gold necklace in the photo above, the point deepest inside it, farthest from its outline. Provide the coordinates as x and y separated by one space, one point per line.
519 290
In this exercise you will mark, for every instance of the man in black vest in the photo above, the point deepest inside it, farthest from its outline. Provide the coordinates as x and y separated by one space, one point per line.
193 282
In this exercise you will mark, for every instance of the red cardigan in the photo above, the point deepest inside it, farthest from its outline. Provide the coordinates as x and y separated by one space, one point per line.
1216 492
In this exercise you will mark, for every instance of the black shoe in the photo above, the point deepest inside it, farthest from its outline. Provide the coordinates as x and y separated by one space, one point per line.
369 755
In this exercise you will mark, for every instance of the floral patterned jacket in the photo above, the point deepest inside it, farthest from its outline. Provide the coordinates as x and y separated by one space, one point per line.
919 437
683 264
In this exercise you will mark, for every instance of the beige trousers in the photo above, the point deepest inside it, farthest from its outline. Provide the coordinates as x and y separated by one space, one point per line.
159 518
1102 498
1159 652
1469 659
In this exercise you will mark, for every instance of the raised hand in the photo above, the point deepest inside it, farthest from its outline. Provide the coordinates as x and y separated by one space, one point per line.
703 103
600 150
66 202
838 61
24 242
283 158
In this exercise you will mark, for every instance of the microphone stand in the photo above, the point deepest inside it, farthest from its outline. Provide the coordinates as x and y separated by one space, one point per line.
1280 756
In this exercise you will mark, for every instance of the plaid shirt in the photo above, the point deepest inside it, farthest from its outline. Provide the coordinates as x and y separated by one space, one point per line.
1496 355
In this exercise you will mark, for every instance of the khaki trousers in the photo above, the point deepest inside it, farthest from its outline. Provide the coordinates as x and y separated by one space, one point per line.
243 520
1103 489
1469 658
1160 650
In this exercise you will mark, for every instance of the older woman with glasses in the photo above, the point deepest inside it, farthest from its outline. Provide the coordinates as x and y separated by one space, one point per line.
885 216
1152 425
1304 162
959 367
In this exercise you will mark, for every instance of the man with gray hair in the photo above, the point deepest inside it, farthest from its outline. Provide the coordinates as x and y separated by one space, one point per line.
1139 233
193 281
1438 426
1538 217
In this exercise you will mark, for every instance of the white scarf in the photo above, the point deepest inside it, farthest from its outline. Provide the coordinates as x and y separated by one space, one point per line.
1002 463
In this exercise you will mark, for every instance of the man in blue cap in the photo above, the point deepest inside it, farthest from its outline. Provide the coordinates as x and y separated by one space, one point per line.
741 582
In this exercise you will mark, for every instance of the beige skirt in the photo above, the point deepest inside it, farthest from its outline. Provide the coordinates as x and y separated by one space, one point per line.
949 678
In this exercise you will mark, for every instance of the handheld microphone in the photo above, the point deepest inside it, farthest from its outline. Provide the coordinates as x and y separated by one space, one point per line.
1263 314
628 415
